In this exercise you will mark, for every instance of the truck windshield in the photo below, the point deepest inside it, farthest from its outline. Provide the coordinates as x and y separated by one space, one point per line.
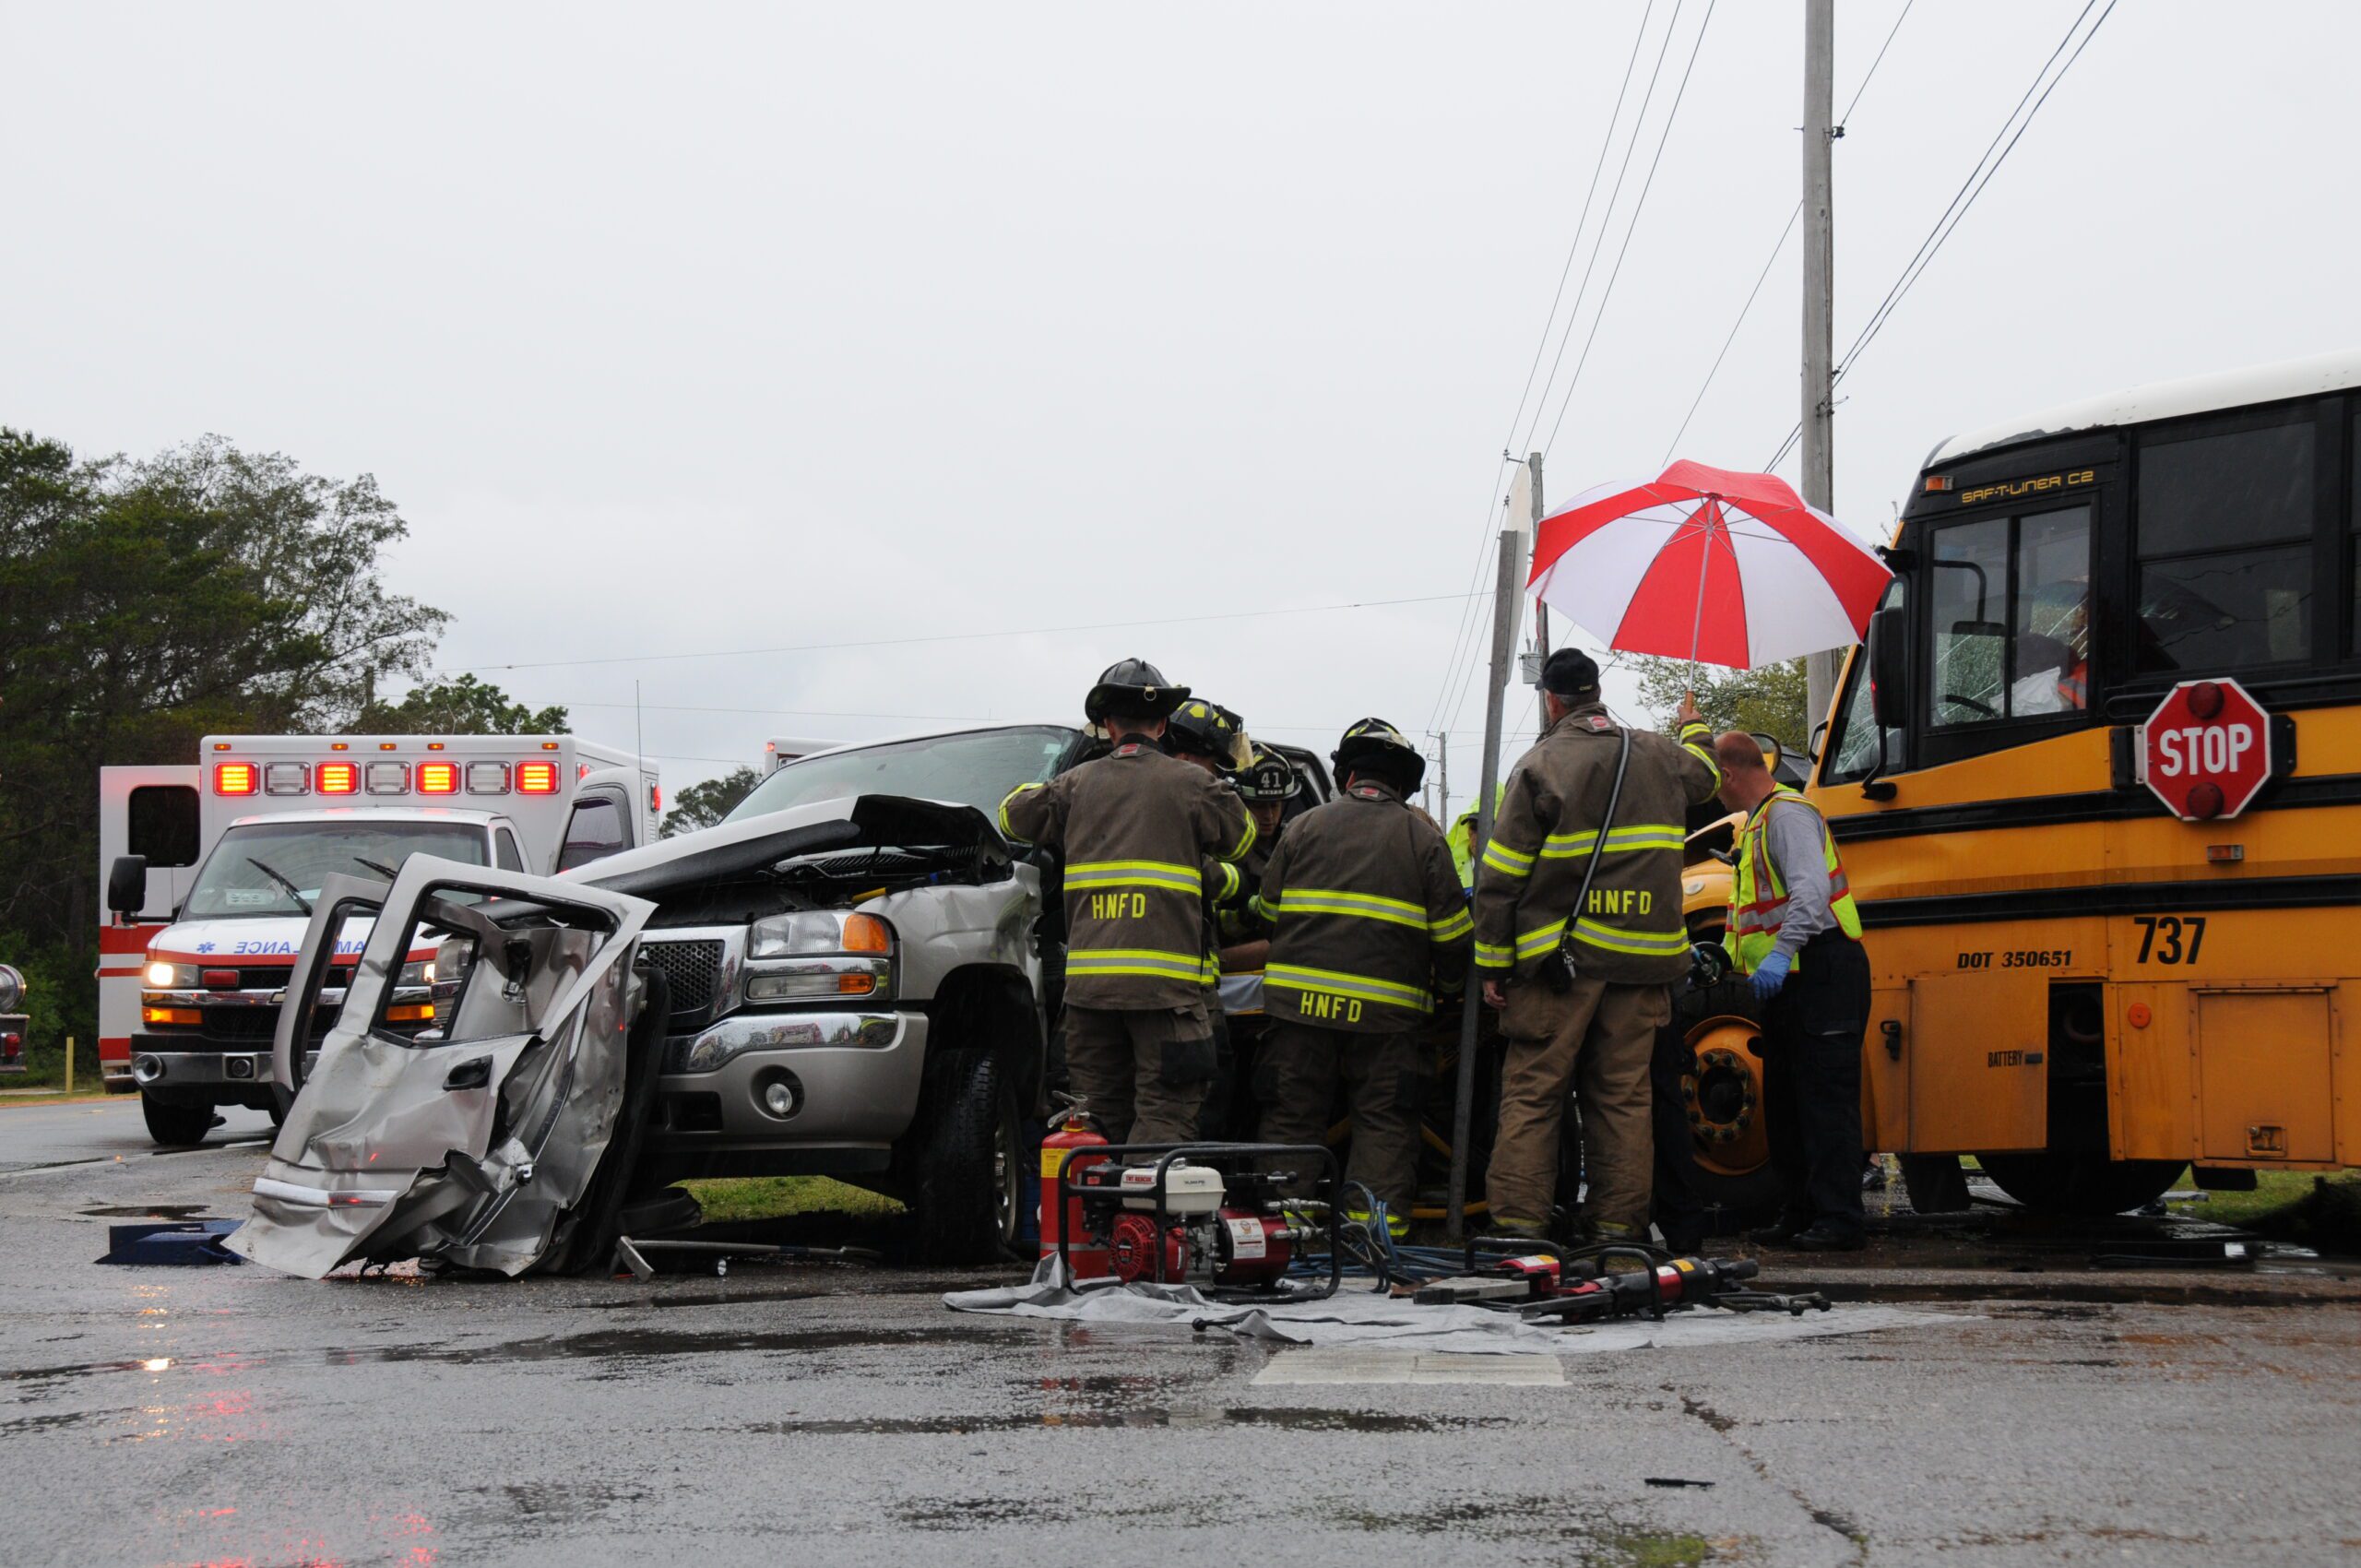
977 768
239 879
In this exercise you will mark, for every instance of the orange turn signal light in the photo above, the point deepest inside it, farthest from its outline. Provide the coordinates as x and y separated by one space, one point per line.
867 933
188 1015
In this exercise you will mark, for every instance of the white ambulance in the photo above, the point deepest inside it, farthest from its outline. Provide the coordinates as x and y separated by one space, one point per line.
210 872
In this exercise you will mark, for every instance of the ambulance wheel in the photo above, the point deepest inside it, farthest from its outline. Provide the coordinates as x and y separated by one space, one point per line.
961 1167
1721 1092
176 1127
2080 1183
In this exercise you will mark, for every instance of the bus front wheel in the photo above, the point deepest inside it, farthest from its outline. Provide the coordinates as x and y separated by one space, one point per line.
2080 1182
1714 1036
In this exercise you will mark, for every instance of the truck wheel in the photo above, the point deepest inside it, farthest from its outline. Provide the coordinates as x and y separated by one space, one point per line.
962 1166
176 1127
2069 1182
1722 1097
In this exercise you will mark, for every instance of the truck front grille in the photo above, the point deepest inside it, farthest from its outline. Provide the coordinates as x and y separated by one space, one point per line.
692 969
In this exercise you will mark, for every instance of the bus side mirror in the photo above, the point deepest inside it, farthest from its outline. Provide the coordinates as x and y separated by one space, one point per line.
1889 649
127 887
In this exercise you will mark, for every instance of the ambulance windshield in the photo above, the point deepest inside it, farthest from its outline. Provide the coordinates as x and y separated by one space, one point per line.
252 869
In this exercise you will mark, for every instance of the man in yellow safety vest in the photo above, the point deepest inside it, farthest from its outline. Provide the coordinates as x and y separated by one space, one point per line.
1794 933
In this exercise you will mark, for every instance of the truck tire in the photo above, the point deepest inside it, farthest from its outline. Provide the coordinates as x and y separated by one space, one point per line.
2080 1183
176 1127
961 1165
1730 1148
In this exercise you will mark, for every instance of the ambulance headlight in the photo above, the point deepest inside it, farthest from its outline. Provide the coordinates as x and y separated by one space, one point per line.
417 971
162 976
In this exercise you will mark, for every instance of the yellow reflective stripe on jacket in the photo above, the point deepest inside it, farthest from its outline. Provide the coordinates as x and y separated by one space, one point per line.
1294 977
1245 842
1134 874
1489 956
1507 861
1697 740
1647 943
1451 928
1336 901
1226 875
1597 933
1645 835
1136 961
1265 910
1007 831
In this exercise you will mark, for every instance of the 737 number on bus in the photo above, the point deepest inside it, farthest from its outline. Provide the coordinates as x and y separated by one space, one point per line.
2169 939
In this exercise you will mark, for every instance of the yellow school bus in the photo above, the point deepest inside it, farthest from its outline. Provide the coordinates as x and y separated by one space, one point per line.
2074 985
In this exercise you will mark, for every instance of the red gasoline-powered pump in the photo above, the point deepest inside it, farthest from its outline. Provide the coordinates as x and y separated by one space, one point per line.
1072 1130
1214 1216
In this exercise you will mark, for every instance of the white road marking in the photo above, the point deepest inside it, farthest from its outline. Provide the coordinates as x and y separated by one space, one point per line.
1351 1364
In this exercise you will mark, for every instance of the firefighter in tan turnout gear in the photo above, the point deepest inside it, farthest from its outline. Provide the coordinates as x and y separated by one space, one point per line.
1369 923
1580 1006
1135 829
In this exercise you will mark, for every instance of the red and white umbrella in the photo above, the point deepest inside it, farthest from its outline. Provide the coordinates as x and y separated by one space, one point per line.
1703 564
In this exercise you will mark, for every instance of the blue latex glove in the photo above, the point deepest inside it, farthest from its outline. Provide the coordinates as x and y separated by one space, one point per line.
1770 975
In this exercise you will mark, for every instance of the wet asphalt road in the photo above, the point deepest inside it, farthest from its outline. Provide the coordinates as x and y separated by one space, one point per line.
818 1414
33 1135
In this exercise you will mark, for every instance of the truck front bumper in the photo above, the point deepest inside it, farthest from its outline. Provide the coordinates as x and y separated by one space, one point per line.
853 1078
167 1070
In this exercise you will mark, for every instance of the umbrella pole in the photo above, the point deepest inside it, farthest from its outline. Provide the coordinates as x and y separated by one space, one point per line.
1712 509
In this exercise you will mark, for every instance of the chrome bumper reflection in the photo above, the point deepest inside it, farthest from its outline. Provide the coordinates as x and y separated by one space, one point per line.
716 1046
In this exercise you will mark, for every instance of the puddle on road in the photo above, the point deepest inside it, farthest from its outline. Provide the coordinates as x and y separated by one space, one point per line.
622 1344
1285 1417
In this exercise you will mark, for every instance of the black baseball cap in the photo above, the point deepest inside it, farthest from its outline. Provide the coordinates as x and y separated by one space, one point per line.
1571 673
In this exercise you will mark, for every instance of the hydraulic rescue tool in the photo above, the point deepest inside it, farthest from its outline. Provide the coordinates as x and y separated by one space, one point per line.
1535 1280
1208 1215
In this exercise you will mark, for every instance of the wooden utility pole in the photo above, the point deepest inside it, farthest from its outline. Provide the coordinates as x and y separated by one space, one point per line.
1507 602
1819 280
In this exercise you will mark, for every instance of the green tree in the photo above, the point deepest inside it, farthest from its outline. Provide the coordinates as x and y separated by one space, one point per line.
1769 701
145 604
701 806
464 706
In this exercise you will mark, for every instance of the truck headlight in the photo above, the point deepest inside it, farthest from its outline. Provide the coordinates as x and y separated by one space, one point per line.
162 976
417 971
809 932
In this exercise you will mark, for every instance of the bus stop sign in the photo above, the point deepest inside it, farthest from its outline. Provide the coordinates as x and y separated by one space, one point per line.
2206 750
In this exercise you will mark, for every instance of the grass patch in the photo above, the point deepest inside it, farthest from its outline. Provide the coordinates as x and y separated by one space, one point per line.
736 1199
56 1095
2322 1212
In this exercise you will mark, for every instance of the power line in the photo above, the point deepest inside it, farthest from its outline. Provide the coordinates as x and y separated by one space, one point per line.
1622 170
969 637
1781 245
1471 618
1964 197
1637 208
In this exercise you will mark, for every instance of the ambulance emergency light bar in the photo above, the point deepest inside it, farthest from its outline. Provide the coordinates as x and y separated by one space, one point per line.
383 776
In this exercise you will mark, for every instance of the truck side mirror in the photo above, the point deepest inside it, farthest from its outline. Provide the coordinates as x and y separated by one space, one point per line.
127 887
1889 649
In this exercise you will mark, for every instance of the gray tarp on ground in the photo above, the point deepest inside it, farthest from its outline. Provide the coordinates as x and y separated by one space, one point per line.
1357 1315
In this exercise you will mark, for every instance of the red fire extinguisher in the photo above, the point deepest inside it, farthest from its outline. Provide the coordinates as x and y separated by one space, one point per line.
1073 1129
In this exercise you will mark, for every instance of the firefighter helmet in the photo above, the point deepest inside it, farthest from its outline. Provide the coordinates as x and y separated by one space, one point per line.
1208 730
1132 687
1268 777
1374 746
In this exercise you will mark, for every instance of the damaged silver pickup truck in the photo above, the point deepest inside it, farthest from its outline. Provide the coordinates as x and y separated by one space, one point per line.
848 986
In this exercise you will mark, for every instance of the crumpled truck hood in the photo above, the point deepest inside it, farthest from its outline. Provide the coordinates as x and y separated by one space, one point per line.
734 849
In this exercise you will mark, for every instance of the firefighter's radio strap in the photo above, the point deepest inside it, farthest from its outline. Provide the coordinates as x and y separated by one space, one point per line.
1568 967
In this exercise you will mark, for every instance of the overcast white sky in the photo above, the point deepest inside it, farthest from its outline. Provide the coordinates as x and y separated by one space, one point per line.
689 328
